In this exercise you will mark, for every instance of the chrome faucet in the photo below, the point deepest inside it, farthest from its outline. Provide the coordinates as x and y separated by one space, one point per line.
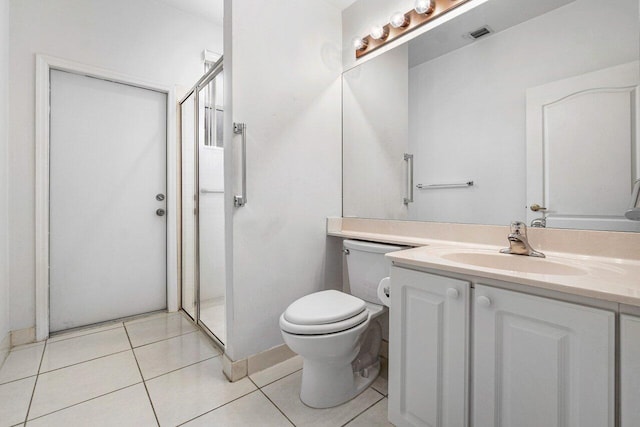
518 243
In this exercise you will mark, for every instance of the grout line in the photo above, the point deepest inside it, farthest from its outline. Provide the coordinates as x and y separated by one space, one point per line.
166 339
19 379
142 378
218 407
84 361
26 417
177 369
103 329
163 339
84 401
276 406
276 380
369 407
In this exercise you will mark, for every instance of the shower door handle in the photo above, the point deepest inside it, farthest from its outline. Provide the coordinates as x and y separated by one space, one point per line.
409 159
240 200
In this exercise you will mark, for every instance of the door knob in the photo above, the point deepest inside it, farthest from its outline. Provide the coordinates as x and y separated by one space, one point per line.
159 197
484 301
453 293
160 212
536 207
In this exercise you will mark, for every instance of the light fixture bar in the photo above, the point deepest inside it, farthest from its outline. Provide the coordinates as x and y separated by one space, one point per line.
414 19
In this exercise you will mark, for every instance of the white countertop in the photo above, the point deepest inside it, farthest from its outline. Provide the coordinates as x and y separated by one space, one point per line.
609 279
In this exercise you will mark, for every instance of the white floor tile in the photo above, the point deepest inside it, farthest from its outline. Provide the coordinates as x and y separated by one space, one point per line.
22 362
269 375
14 401
286 394
186 393
122 408
86 347
168 355
375 416
251 410
68 386
158 328
83 331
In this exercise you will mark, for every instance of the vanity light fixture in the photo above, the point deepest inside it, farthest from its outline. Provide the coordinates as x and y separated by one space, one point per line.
378 32
425 7
360 44
402 23
399 20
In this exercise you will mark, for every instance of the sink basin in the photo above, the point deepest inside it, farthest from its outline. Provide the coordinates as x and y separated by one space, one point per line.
525 264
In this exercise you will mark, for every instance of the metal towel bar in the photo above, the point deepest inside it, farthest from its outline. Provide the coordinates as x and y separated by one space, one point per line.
452 185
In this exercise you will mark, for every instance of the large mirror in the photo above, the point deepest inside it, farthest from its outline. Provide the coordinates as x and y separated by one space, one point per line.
535 120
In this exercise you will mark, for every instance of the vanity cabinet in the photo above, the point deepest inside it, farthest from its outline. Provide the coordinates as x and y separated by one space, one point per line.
541 362
534 361
629 371
429 330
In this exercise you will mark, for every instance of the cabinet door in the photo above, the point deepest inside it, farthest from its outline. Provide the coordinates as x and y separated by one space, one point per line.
540 362
428 338
629 371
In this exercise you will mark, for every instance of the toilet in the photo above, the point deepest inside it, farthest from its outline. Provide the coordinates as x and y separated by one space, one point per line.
338 334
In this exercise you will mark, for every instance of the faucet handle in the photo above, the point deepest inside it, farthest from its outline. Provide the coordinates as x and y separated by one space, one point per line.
519 227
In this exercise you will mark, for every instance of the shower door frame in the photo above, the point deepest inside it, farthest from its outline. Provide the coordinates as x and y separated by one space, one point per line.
207 78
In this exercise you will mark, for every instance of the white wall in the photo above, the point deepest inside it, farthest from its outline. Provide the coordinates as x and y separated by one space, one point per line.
376 136
467 108
4 164
141 38
285 78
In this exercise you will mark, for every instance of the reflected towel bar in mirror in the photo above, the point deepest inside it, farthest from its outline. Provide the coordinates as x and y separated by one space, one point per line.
453 185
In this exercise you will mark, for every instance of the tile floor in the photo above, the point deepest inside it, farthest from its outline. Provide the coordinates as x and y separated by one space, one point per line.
158 370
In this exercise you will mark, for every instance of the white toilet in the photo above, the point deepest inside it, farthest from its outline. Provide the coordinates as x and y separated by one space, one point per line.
337 334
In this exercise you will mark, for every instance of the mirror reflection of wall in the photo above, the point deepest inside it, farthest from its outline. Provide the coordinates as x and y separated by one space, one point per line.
466 109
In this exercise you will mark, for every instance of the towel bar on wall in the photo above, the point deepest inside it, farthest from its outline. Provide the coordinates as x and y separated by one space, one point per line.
453 185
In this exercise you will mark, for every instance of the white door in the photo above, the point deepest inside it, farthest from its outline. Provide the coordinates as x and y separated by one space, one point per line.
107 174
582 149
429 330
540 362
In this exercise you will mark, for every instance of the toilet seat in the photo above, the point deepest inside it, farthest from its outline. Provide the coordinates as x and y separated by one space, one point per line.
324 307
324 312
325 328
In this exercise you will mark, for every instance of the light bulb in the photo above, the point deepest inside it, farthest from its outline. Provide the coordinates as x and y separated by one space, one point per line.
378 32
424 6
398 20
359 43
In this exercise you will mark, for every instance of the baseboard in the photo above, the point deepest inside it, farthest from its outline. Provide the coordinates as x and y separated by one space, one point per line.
5 346
269 358
236 370
23 336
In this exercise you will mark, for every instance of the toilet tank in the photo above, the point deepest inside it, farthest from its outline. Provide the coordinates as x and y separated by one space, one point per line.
366 266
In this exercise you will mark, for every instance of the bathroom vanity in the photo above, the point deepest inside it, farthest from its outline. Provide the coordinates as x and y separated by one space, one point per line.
510 340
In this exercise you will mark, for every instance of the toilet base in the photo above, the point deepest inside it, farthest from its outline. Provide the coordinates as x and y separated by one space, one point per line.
326 388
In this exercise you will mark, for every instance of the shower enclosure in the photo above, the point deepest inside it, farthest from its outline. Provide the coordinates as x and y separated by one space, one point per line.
202 203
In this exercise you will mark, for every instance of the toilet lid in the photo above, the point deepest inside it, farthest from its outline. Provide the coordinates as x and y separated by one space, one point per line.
324 307
327 328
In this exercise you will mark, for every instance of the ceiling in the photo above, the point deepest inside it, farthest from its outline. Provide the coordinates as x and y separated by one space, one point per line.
341 4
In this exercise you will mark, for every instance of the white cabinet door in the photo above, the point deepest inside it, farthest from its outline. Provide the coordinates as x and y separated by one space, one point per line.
541 362
629 371
429 328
